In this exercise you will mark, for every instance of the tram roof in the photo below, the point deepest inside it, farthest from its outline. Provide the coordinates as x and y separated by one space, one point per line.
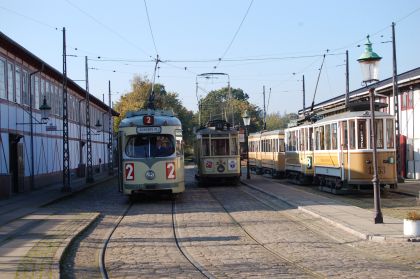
213 131
161 118
353 114
274 132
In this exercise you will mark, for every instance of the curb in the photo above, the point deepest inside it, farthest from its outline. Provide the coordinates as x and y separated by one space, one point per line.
65 195
364 236
62 250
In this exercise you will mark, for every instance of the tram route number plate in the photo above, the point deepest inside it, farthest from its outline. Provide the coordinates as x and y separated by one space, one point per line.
148 130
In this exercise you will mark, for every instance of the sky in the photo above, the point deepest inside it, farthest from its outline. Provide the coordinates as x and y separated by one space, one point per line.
259 43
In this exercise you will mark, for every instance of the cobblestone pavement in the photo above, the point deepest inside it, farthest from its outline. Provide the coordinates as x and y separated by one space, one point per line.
82 258
143 246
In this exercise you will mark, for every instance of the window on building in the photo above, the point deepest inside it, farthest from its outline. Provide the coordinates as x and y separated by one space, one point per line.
25 88
362 134
3 94
18 85
407 100
390 133
10 83
36 92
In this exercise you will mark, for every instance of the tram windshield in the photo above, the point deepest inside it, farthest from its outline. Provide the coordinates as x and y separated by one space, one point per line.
145 146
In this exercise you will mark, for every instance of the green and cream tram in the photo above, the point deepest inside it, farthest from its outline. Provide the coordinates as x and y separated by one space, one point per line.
151 153
217 153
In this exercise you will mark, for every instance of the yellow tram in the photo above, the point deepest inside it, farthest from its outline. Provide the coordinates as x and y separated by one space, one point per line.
254 152
272 153
217 155
337 151
151 153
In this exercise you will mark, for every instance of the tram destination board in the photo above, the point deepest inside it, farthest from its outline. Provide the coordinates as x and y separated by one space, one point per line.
148 130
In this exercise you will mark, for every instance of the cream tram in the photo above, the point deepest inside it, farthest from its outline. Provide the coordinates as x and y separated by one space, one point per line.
254 152
151 153
337 151
272 153
217 155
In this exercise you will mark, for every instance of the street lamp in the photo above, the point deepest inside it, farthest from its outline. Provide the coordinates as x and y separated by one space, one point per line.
369 62
247 119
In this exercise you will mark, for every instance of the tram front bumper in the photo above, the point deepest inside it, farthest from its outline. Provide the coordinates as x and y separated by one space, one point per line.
177 187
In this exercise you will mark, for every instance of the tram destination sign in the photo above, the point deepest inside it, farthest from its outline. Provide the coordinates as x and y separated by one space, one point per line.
148 130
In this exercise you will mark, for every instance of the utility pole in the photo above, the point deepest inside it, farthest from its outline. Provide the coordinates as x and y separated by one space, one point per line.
66 153
110 165
347 80
396 107
264 115
303 93
89 176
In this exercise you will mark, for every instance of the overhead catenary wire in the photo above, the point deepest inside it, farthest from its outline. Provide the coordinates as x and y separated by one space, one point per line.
234 36
150 27
31 18
107 28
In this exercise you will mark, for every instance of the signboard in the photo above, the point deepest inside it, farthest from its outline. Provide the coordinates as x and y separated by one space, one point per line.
148 130
232 164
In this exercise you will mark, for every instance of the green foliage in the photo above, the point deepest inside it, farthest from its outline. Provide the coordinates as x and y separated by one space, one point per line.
276 120
138 98
218 105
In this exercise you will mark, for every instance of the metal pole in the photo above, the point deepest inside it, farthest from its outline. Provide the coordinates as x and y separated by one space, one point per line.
303 92
396 109
110 167
248 176
376 188
347 80
32 181
89 176
264 124
66 153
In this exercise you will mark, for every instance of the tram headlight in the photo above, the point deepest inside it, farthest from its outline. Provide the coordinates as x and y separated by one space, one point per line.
150 175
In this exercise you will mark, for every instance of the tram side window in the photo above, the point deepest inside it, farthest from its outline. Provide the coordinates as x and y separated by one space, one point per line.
362 132
311 139
334 136
352 134
179 147
220 147
316 138
379 126
205 147
234 146
327 137
344 135
390 133
321 138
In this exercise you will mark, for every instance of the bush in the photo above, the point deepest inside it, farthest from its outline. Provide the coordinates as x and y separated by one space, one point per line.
413 215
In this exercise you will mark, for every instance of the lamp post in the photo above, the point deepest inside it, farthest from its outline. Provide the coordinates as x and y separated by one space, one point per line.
369 62
247 119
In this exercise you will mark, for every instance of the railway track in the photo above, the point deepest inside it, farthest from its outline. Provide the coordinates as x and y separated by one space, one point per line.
259 243
183 252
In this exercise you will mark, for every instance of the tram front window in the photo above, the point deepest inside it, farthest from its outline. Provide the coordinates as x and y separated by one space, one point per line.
144 146
220 147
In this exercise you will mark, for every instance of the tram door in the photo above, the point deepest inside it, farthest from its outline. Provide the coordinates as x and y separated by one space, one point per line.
344 153
17 166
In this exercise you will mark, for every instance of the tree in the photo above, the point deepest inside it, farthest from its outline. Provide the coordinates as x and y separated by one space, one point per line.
276 120
217 105
138 97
